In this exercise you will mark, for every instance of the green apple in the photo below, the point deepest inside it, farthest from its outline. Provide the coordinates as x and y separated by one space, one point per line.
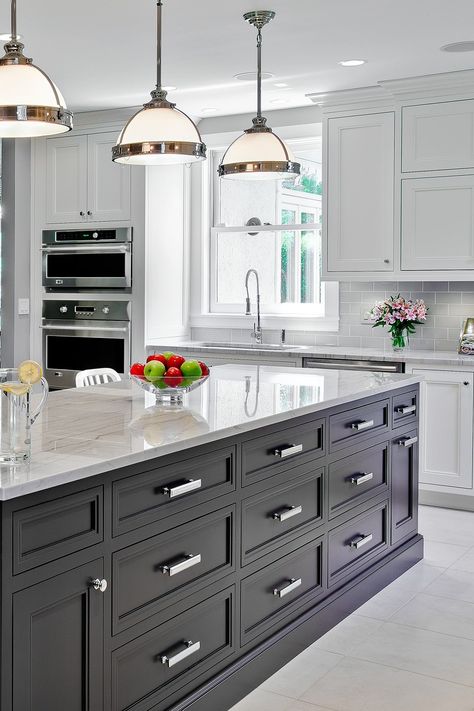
191 369
153 370
167 355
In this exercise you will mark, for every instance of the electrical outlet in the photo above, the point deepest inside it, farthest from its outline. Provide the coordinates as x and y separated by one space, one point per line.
23 307
365 316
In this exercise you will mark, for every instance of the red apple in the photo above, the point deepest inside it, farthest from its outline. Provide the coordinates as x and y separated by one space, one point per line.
157 356
175 361
137 369
173 377
204 367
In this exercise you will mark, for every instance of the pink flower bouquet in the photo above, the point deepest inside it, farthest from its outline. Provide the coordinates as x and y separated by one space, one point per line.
401 317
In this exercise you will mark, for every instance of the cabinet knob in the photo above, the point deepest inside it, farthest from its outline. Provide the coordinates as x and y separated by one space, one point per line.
82 213
100 585
466 382
89 213
386 261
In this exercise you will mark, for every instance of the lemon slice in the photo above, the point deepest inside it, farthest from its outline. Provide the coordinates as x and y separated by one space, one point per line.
15 388
30 372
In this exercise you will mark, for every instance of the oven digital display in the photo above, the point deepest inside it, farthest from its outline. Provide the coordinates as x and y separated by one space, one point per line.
86 236
84 310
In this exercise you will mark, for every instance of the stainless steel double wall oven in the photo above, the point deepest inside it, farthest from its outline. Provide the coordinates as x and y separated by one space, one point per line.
79 331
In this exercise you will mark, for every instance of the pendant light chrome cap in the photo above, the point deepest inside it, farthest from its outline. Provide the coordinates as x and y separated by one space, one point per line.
258 154
159 134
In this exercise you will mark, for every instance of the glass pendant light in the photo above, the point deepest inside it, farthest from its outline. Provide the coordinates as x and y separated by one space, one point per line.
159 134
259 154
30 103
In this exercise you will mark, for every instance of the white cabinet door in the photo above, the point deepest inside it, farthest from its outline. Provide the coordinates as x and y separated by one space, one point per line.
438 136
438 223
66 179
446 428
108 182
360 185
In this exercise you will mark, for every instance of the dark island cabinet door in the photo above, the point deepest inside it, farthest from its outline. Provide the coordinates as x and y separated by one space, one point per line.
404 485
58 643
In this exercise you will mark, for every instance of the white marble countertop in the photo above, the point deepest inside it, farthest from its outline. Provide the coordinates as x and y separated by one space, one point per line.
450 358
87 431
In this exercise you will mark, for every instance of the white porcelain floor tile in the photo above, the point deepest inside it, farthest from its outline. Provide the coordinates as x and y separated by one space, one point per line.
443 554
446 525
355 685
260 700
348 634
466 562
302 672
438 614
386 603
417 578
457 584
438 655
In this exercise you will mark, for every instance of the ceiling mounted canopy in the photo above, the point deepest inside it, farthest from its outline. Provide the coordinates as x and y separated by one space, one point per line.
159 134
30 103
259 154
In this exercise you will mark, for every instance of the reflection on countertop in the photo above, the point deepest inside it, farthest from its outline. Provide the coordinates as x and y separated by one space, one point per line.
88 431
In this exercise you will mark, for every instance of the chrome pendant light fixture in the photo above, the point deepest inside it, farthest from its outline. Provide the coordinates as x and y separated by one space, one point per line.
259 154
30 103
159 134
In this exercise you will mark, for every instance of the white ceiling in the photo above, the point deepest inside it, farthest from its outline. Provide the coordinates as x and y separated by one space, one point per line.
101 52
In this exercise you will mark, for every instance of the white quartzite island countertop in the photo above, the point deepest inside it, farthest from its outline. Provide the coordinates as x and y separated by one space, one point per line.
87 431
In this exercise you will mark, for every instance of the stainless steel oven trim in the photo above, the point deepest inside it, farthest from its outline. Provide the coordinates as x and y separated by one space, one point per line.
123 235
92 248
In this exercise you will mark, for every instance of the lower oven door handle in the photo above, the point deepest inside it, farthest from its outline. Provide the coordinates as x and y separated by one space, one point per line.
92 248
85 328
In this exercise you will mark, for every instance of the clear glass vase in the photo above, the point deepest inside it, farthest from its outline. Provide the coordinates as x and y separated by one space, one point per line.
399 341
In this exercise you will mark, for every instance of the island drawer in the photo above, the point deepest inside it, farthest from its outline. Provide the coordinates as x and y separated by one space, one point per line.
148 669
405 408
359 477
353 543
156 573
270 518
278 590
269 454
57 528
345 428
153 495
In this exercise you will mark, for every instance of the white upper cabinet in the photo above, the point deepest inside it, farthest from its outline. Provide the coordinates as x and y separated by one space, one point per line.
438 223
360 193
438 136
82 182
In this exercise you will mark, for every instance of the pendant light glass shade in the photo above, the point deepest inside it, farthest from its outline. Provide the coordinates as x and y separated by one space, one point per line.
259 154
159 134
30 103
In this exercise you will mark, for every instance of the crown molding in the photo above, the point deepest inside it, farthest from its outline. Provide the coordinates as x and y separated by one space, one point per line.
363 97
459 83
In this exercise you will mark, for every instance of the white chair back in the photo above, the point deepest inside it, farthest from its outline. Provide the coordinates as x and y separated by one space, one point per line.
96 376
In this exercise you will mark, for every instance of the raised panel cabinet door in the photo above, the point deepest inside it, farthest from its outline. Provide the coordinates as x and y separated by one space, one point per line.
58 643
438 223
404 485
438 136
108 182
360 184
446 427
66 179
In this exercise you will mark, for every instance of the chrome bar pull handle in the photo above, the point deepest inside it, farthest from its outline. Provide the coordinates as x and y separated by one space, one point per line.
359 479
408 441
360 541
287 513
359 426
171 659
173 490
288 588
406 409
288 451
187 561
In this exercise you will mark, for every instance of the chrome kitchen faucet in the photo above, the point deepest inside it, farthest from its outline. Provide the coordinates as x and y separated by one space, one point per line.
257 333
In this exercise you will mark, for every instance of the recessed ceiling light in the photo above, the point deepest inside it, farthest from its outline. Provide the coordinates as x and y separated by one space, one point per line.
459 47
209 110
6 36
169 88
281 85
252 76
352 62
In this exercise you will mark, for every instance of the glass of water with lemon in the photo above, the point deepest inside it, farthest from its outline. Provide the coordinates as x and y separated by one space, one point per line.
17 414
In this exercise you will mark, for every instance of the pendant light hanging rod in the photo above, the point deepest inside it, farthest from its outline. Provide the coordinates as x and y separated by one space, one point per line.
159 26
259 74
13 21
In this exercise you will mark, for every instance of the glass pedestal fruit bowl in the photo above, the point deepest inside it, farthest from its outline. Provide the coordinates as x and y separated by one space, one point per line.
165 390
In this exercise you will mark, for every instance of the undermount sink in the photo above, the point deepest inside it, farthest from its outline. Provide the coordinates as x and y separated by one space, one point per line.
251 346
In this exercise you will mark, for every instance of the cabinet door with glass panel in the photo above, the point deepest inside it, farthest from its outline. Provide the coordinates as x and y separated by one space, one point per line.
274 228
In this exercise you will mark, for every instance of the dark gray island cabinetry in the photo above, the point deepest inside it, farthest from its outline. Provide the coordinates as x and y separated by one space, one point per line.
182 581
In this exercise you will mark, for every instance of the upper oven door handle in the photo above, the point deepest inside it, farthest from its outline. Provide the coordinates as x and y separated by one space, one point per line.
95 247
117 329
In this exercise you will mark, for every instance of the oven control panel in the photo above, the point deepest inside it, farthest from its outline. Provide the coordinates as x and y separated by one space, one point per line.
88 310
